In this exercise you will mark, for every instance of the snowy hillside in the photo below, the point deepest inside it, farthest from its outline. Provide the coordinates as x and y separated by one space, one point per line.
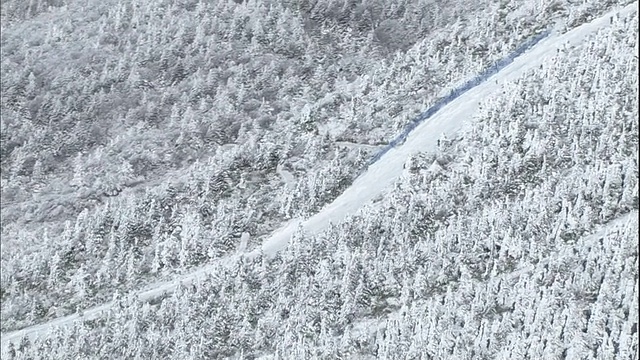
168 124
514 236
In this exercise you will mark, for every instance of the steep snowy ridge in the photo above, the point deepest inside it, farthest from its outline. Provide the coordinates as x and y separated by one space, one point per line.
448 118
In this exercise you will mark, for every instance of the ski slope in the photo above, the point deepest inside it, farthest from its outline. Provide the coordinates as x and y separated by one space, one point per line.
380 175
449 119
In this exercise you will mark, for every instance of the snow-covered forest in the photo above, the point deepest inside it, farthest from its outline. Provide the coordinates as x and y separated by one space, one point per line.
143 140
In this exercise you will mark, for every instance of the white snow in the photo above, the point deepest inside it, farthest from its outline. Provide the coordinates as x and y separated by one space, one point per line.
370 325
287 177
382 174
378 178
435 168
244 241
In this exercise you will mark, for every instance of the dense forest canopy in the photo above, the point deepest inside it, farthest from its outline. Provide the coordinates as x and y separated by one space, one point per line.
143 140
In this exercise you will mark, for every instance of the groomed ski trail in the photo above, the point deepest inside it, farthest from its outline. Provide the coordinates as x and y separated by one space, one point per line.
449 119
379 177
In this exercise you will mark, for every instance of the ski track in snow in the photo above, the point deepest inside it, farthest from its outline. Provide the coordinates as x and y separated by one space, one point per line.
379 177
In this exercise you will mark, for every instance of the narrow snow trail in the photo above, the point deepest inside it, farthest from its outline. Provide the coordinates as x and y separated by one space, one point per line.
380 176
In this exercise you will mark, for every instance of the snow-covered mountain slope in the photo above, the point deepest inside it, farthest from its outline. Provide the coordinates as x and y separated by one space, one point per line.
380 175
475 310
